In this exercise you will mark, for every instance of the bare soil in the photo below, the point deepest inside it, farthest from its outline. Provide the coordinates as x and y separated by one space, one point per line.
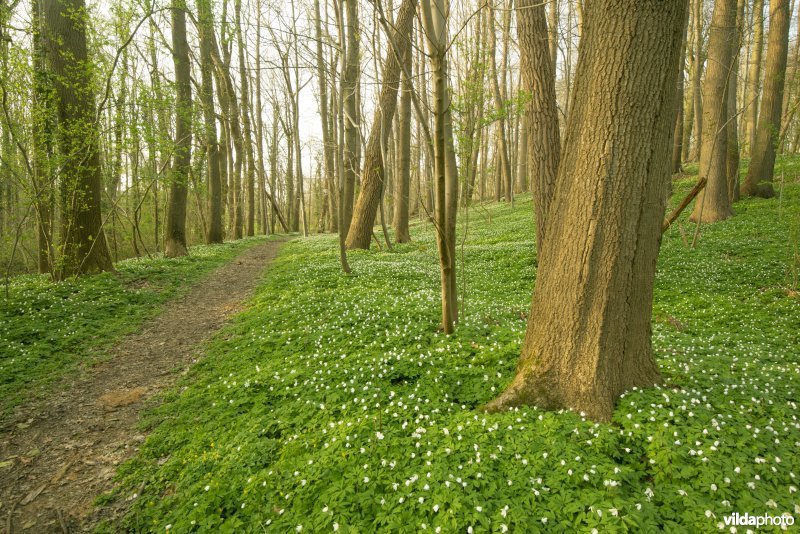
57 455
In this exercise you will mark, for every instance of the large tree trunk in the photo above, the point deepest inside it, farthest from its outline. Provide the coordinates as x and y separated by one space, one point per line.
175 244
713 203
83 242
360 232
544 139
762 162
213 171
588 335
754 76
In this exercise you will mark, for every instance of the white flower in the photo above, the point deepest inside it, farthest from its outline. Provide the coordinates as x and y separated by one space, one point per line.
207 488
378 435
298 528
366 480
544 520
435 508
479 508
335 527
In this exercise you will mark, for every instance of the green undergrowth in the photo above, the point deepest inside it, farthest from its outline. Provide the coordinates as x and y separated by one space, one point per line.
333 403
47 328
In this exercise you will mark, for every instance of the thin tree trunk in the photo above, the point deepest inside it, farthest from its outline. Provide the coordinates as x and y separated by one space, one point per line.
434 14
762 162
206 28
543 135
403 179
697 87
754 77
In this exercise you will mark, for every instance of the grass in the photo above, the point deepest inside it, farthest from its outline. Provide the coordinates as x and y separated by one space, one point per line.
332 403
48 329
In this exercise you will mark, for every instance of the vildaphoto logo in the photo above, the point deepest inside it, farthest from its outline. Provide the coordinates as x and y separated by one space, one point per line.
747 520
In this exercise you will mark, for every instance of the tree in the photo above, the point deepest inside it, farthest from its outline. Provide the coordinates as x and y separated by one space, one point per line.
83 242
360 232
713 203
697 76
351 115
213 164
538 79
175 244
754 76
434 15
762 162
588 334
500 109
403 179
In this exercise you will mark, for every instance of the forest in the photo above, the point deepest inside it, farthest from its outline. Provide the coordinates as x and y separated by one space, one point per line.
399 265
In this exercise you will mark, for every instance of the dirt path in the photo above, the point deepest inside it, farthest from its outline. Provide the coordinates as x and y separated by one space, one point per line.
63 451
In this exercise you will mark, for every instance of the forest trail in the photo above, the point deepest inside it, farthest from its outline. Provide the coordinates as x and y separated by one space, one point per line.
64 450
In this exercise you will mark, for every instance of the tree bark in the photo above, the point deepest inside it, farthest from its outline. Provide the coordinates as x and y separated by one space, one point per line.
713 203
83 242
175 243
762 162
588 335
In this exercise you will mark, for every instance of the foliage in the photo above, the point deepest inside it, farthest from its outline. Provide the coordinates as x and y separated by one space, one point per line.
334 404
48 328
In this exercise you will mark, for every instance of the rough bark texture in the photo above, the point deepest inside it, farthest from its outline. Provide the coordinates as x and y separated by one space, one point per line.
588 335
359 234
83 242
713 203
544 148
175 243
762 163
